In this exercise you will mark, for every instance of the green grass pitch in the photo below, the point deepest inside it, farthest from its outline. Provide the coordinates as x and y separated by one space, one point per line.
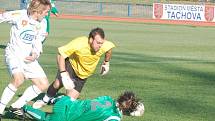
170 67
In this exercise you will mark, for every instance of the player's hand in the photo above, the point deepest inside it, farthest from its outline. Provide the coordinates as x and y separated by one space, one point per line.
68 83
56 14
31 58
139 110
104 68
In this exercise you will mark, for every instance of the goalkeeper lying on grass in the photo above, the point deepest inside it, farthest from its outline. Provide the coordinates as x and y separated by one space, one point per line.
102 108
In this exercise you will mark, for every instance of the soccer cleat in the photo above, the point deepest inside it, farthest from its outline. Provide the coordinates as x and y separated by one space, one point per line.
38 104
16 111
54 100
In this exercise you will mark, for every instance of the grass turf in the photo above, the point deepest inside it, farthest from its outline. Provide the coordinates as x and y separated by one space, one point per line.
171 68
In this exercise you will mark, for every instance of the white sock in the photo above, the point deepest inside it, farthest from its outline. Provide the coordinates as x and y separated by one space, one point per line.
46 98
29 94
7 95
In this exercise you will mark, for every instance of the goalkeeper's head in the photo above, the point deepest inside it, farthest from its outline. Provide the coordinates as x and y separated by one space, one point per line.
127 102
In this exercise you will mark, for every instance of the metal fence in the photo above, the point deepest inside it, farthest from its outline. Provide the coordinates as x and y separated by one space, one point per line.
105 9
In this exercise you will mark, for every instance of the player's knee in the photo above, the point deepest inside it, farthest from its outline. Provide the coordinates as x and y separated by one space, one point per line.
43 84
17 82
73 94
56 84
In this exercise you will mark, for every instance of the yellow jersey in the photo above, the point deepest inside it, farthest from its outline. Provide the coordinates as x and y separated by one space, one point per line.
82 59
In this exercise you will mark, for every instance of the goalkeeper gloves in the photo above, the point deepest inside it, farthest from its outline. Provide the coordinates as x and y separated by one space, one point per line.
139 110
68 83
104 68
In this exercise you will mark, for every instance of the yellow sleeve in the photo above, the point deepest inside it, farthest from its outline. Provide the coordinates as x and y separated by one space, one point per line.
107 46
68 49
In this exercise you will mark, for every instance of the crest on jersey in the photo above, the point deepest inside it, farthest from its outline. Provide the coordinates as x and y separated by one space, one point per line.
27 36
24 22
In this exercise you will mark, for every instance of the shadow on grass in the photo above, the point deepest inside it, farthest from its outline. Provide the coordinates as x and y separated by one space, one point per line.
186 107
169 65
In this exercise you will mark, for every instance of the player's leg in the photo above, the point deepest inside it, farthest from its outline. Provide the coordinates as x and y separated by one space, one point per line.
10 90
57 84
51 92
40 83
60 109
74 93
16 71
58 113
79 83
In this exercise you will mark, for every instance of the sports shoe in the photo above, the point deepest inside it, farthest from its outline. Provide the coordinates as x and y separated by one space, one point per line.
54 100
16 111
39 104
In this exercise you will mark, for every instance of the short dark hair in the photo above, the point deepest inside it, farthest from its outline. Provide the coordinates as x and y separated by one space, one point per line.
96 31
127 102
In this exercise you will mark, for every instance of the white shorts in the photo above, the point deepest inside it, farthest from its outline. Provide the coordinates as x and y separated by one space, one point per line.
30 70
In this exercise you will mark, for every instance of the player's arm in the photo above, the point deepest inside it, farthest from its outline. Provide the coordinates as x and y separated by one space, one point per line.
61 57
31 57
105 65
36 51
54 9
37 43
108 55
9 16
61 62
65 52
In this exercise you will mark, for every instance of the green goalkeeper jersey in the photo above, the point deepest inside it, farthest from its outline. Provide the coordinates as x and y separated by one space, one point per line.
99 109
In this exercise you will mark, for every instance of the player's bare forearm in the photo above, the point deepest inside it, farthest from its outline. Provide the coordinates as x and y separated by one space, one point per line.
61 62
108 55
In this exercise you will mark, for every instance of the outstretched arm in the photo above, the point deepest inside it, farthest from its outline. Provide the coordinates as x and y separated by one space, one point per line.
105 65
9 17
54 9
66 80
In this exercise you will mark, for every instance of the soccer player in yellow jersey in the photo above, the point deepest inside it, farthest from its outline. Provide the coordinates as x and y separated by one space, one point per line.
77 60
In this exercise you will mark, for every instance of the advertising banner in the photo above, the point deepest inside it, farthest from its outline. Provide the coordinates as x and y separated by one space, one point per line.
183 12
